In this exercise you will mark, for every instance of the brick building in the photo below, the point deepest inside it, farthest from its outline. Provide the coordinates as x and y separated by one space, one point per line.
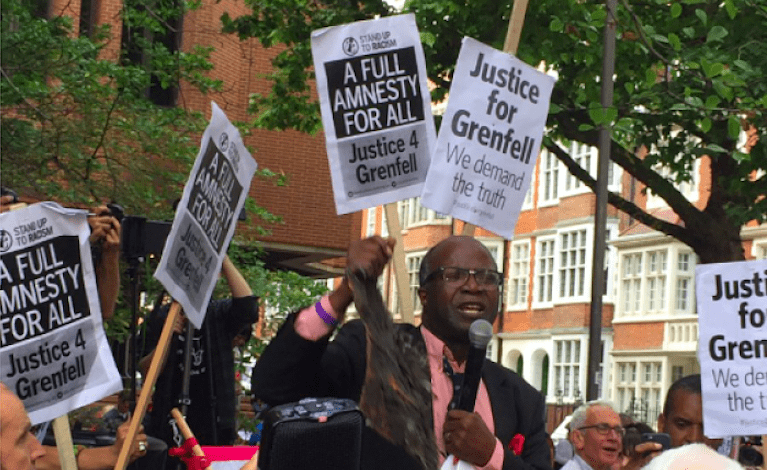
312 232
649 322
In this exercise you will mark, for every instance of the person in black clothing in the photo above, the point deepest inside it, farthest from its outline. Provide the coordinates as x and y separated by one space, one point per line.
212 383
459 284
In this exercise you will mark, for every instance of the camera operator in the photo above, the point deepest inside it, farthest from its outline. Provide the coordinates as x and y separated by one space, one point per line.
211 412
105 246
104 222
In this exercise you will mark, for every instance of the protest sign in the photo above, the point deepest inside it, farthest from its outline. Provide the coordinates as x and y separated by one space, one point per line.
53 351
206 217
489 139
732 347
376 110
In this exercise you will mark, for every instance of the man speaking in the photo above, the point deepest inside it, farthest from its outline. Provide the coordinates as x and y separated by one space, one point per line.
459 283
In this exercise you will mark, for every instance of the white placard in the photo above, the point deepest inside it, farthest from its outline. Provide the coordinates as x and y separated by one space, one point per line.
53 351
489 139
206 217
732 349
376 110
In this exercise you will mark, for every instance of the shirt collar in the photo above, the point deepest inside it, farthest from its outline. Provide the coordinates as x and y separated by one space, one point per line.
437 349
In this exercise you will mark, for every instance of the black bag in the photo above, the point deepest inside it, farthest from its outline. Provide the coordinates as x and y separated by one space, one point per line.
314 433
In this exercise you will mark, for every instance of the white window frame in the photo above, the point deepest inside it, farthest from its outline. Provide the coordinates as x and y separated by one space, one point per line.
631 283
759 248
527 202
519 275
611 261
413 264
671 278
495 247
567 367
685 279
642 380
550 263
656 280
384 225
370 228
413 214
689 189
581 267
549 171
579 152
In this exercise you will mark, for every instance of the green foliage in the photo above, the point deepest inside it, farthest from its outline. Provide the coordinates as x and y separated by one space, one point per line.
289 103
78 127
689 78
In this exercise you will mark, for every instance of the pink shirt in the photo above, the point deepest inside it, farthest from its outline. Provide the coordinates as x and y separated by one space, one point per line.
310 326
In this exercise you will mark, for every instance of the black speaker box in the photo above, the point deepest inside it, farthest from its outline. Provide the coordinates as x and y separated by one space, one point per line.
314 433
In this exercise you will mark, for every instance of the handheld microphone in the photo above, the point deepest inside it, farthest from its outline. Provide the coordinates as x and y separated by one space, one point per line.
480 334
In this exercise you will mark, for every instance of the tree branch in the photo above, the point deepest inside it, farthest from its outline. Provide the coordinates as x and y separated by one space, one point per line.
619 202
635 167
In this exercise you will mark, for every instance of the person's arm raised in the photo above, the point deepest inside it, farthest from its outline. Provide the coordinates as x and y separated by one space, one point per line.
369 255
237 283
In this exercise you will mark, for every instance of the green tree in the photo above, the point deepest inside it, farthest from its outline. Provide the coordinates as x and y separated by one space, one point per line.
689 79
81 128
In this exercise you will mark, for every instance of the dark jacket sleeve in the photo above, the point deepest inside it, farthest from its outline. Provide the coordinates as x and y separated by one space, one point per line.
536 454
292 367
518 409
234 313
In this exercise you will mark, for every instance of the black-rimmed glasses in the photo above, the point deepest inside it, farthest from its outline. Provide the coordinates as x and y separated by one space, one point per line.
604 429
456 275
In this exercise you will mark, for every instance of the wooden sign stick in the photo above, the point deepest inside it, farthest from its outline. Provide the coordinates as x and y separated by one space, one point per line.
400 269
64 445
510 45
186 431
158 362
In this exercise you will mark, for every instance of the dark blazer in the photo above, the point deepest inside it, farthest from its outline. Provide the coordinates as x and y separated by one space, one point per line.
292 368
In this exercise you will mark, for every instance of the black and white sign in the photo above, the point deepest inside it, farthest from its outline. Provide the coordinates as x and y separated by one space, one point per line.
489 139
53 350
206 217
376 110
732 349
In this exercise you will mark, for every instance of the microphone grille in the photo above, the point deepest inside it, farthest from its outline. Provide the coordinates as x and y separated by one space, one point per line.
480 333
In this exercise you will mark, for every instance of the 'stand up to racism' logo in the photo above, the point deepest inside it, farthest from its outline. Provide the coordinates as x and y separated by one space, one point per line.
6 241
350 46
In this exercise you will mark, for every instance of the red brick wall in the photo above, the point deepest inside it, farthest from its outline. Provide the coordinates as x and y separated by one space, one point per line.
306 203
632 336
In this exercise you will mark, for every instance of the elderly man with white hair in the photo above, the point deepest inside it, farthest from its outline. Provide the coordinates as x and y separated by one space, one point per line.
596 433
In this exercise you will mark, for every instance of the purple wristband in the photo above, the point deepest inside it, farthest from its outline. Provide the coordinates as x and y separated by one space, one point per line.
325 315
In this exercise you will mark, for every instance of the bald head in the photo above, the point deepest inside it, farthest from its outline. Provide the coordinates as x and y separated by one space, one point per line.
19 448
459 284
692 457
430 259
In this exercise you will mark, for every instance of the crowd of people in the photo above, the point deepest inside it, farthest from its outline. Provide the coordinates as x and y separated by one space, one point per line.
316 353
211 373
603 439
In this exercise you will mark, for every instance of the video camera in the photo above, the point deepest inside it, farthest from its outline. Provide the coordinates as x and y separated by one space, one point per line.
140 237
143 237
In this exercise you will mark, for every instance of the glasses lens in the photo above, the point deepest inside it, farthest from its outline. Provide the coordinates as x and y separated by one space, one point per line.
487 277
454 274
604 428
